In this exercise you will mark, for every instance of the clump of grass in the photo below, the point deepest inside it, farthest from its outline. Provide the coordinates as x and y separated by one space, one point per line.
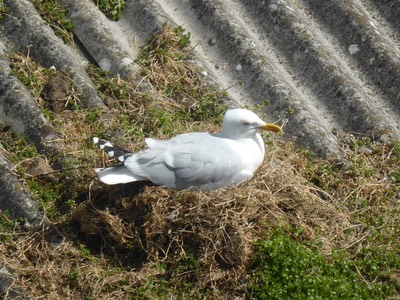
18 148
111 8
54 197
365 182
36 77
113 87
55 15
30 74
164 63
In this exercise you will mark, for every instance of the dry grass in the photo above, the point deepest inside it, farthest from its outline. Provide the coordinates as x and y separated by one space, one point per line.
121 238
140 241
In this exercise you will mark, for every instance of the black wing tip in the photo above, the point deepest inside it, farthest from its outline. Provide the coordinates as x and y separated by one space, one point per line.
116 152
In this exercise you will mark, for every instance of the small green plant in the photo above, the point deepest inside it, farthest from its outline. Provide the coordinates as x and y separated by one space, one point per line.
289 111
18 148
113 87
7 226
209 104
73 278
111 8
6 223
85 251
185 266
184 37
93 115
55 15
3 9
47 194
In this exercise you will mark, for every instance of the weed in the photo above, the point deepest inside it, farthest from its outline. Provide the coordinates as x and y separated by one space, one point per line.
18 148
47 195
55 15
86 252
24 69
73 278
289 111
3 9
111 8
93 115
5 221
184 40
113 87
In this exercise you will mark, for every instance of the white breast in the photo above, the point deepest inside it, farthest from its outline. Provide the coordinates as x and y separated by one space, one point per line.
252 153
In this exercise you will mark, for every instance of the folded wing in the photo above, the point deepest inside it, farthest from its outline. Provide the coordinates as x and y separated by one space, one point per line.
189 160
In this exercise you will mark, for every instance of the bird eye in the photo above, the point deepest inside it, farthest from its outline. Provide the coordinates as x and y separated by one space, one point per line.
246 123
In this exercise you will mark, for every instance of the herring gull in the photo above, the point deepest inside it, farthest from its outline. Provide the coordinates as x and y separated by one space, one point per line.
199 160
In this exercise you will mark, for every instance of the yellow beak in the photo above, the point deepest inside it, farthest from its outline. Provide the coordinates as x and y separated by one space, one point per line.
271 127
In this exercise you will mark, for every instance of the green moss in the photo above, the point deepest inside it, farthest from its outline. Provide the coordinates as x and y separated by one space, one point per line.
288 269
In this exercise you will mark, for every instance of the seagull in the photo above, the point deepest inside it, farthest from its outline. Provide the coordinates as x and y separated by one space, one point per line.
196 160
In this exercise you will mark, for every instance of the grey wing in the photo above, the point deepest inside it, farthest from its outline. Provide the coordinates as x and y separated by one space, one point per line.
208 161
150 164
193 160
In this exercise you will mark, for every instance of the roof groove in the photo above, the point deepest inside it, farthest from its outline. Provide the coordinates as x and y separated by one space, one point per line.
373 55
316 62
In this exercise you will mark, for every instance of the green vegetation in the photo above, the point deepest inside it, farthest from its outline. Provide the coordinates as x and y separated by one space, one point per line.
48 195
111 8
164 64
302 228
39 81
3 9
55 15
6 223
18 148
288 269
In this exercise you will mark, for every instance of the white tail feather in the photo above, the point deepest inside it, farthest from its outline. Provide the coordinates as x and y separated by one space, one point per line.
116 175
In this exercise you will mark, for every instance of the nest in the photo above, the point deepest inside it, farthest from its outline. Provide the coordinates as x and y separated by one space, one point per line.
211 234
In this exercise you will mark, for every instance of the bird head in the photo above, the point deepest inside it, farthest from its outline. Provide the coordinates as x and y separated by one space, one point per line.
242 123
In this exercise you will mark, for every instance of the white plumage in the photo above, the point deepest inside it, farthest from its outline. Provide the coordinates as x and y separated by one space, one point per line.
201 160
